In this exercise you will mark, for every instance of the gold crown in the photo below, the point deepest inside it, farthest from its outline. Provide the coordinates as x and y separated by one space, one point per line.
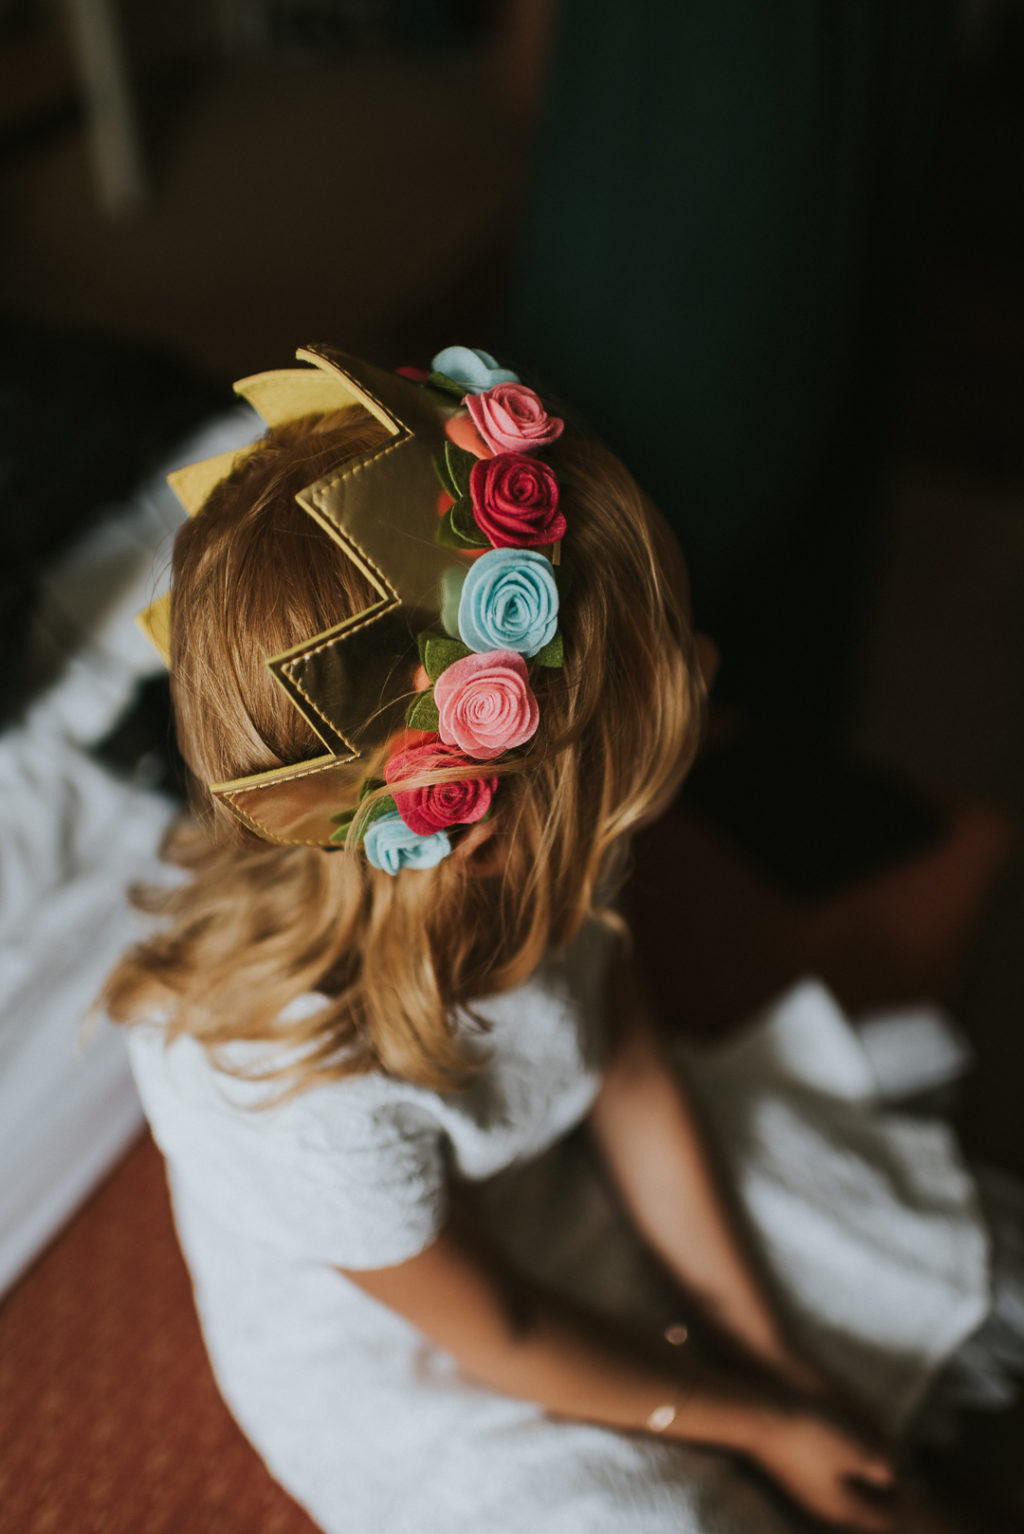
353 681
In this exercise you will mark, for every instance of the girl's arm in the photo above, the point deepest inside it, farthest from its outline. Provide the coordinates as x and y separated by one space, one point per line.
511 1335
648 1131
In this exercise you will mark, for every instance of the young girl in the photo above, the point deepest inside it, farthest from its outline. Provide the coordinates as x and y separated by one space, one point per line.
432 664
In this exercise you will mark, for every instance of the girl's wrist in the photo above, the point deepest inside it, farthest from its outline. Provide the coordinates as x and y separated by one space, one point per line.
710 1407
763 1432
746 1428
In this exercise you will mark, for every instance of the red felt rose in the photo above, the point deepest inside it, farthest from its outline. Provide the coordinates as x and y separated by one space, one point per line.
515 501
438 805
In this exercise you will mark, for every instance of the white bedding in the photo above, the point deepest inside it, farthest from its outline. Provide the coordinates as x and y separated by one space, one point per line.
72 838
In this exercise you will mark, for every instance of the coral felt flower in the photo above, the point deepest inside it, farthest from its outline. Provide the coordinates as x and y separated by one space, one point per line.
460 430
391 845
437 805
515 501
509 601
485 704
511 419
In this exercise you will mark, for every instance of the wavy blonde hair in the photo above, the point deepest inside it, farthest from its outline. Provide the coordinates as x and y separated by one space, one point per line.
257 924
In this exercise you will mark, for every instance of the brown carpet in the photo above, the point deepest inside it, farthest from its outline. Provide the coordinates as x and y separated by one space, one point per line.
110 1422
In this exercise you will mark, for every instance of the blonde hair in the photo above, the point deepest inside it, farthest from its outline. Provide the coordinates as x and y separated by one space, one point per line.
258 924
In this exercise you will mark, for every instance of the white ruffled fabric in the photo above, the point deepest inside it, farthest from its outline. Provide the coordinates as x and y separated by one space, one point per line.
867 1219
73 837
986 1373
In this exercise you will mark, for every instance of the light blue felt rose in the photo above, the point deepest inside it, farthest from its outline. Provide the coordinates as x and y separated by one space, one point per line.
390 844
476 371
509 602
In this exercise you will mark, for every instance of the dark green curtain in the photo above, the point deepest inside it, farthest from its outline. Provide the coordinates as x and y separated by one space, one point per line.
728 202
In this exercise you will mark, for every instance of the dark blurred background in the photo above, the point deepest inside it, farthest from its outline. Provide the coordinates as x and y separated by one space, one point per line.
774 253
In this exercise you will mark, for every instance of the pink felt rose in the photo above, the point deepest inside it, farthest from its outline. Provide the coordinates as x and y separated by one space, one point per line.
515 501
511 419
438 805
485 703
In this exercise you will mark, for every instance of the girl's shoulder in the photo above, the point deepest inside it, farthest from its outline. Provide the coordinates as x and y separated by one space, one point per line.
565 995
349 1173
243 1079
539 1048
355 1171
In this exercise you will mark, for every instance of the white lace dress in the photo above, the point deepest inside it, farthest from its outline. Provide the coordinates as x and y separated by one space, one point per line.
868 1221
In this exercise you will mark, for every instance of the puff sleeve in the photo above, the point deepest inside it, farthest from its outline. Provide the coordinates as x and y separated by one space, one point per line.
351 1174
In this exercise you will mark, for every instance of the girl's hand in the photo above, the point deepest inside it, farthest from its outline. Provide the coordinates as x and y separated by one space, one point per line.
819 1464
770 1359
825 1395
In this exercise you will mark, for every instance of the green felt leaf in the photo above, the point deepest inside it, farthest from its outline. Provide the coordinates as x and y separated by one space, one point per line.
368 785
444 478
553 653
465 525
422 639
448 538
441 652
342 821
459 464
422 714
383 806
445 385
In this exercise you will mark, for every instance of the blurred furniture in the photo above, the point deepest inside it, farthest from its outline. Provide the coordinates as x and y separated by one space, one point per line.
114 134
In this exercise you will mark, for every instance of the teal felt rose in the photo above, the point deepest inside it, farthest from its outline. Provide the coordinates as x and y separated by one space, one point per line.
475 370
390 845
509 602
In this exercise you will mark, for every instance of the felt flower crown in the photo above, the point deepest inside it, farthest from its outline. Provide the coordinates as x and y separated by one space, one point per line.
467 595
